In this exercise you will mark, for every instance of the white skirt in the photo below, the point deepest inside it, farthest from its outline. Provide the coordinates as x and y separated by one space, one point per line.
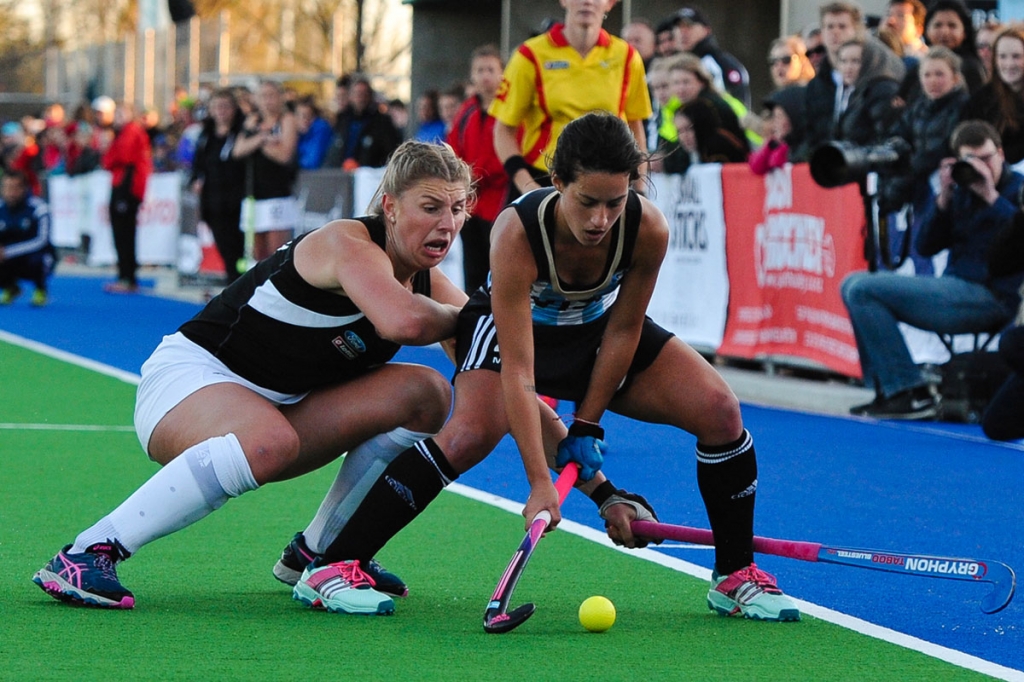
177 369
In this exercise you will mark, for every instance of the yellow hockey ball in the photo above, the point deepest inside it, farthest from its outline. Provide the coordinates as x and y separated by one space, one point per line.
597 614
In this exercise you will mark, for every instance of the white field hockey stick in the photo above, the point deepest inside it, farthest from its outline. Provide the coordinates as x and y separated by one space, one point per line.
248 258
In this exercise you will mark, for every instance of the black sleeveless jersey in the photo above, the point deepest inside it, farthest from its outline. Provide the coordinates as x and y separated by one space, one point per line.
280 332
271 179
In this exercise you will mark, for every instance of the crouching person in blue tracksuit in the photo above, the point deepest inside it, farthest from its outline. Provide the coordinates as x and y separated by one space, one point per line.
25 249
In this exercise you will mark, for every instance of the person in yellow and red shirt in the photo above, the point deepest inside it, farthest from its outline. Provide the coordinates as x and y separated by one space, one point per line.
574 68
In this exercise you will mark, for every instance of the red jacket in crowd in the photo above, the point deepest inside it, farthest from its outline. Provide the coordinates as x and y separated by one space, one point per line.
130 148
27 161
472 138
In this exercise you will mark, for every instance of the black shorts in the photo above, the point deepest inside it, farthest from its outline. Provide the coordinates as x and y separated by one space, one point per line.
563 356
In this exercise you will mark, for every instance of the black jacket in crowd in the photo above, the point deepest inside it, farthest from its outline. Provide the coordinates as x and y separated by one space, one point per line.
223 174
378 138
984 105
926 125
819 107
870 112
733 74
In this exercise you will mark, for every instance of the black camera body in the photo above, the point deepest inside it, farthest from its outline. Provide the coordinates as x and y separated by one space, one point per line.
964 174
834 164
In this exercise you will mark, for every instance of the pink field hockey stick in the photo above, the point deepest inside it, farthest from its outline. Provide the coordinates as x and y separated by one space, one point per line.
497 618
998 574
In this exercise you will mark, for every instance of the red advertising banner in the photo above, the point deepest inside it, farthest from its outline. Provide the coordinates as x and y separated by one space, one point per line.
789 244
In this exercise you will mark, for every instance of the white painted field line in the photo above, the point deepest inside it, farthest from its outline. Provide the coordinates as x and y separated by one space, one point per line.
70 358
952 656
67 427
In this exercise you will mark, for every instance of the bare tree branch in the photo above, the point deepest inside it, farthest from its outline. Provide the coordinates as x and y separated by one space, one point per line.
257 43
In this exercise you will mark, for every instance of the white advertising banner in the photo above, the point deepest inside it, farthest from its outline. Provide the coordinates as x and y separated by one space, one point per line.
159 220
364 185
692 294
97 227
68 210
80 207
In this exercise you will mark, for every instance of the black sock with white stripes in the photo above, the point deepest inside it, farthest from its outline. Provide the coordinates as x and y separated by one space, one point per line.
405 488
727 478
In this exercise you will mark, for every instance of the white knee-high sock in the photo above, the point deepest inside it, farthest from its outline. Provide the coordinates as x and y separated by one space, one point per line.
362 466
189 487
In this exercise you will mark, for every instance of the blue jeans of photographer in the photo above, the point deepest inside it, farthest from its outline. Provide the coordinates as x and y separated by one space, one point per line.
877 302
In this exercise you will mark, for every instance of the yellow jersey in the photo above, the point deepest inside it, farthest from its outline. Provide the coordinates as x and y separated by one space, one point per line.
547 84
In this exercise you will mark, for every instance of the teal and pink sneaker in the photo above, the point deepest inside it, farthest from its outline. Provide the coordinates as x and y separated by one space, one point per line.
88 578
341 588
297 555
753 593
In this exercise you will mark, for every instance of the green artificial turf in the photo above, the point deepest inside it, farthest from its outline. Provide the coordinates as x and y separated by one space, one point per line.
208 607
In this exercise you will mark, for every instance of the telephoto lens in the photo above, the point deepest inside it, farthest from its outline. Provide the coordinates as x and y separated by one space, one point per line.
965 174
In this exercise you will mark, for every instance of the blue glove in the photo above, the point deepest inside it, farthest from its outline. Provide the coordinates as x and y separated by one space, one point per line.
585 446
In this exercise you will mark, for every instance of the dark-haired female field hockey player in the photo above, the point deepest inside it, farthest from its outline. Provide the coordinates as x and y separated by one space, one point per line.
573 268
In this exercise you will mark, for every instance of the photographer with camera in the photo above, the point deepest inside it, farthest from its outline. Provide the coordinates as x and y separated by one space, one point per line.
970 210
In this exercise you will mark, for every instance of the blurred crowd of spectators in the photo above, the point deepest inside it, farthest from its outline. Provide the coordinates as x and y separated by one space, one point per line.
913 79
71 142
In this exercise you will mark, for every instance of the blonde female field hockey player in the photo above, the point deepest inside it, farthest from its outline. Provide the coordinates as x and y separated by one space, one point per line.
289 368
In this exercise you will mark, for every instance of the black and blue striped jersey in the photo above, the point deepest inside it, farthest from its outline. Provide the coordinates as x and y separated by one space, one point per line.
554 303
